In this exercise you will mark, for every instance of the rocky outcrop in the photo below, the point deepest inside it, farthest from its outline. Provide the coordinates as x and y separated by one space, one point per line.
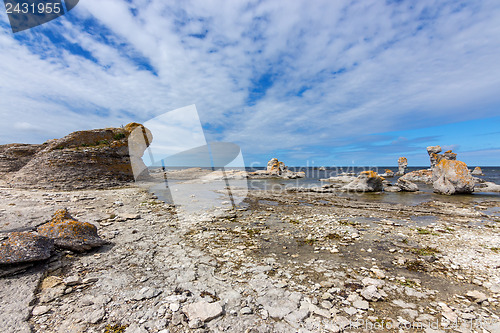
70 234
477 172
276 169
16 155
22 247
433 151
367 181
422 176
86 159
452 177
402 165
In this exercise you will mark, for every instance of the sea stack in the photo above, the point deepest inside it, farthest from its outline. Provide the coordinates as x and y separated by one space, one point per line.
402 165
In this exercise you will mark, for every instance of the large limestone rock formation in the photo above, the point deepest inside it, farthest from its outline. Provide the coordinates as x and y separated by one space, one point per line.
275 167
406 185
85 159
402 165
367 181
452 177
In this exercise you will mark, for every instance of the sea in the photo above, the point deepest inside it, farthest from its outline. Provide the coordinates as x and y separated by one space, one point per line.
425 193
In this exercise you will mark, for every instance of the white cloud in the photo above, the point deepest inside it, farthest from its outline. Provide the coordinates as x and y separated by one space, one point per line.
362 67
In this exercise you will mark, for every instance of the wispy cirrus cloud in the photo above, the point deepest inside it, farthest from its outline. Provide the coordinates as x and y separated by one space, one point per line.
319 77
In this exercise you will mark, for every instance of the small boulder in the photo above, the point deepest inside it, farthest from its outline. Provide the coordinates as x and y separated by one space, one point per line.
367 181
406 185
452 177
477 172
202 310
71 234
25 247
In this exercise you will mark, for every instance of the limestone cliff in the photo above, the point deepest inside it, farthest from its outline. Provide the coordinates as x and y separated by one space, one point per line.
84 159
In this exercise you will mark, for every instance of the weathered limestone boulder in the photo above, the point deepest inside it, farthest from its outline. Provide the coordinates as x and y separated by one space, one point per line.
449 155
22 247
70 234
477 172
452 177
339 179
487 187
387 173
406 185
84 159
16 155
402 165
367 181
433 151
422 176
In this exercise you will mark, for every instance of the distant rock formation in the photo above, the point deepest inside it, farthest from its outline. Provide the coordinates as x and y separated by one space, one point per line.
402 165
387 173
85 159
488 187
452 177
367 181
477 172
276 169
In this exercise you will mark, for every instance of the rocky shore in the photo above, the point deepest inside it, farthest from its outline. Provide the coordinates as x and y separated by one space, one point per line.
282 262
82 249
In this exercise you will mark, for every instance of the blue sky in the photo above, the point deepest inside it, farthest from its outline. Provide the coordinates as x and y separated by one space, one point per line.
323 82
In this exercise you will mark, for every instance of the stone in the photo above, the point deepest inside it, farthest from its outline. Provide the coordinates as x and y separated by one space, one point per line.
97 158
70 234
476 296
477 172
422 176
72 280
195 323
488 187
95 316
371 293
147 293
402 165
203 310
433 151
406 185
246 310
40 310
379 274
387 173
367 181
22 247
452 177
360 304
275 169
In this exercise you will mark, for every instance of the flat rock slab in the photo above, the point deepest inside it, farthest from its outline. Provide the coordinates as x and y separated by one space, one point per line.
203 310
16 297
21 247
